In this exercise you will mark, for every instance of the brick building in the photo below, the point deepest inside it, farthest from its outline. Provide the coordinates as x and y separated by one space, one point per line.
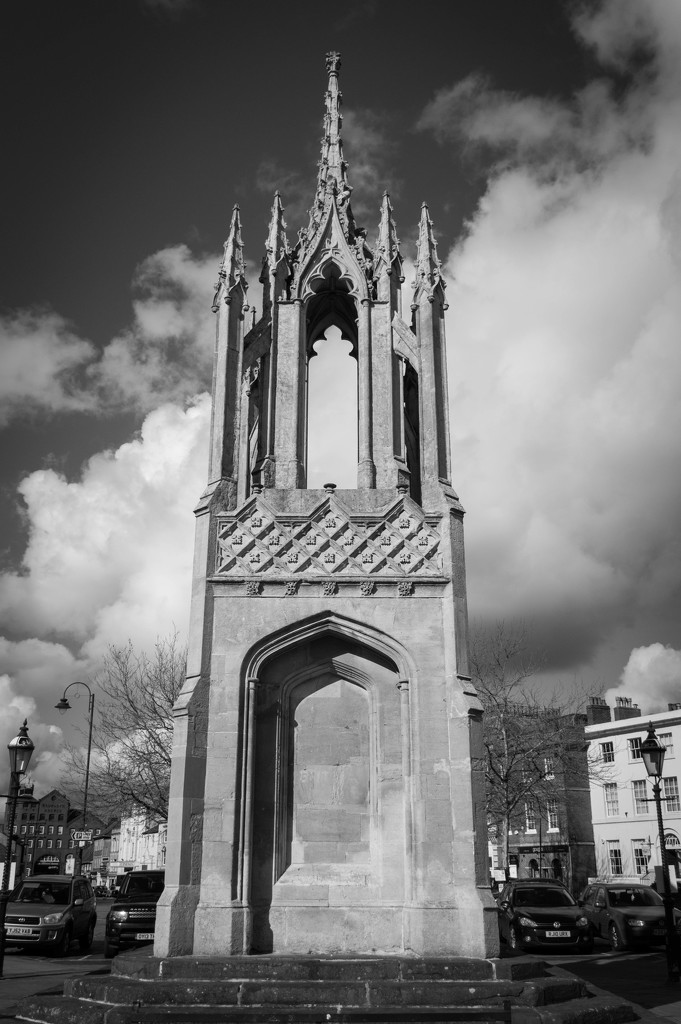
48 831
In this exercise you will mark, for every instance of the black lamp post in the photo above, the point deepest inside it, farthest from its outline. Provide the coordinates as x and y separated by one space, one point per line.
652 752
20 750
62 707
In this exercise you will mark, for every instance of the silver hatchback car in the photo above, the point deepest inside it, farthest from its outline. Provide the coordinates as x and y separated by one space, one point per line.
51 911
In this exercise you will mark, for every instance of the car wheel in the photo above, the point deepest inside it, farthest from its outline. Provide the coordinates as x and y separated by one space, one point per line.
616 941
64 944
109 950
85 941
513 939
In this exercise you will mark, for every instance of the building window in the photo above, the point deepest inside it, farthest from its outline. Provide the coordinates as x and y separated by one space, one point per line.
23 830
30 844
49 844
670 788
530 819
614 857
608 751
31 830
41 830
635 748
60 829
552 815
641 853
50 830
640 797
612 803
666 740
59 844
548 768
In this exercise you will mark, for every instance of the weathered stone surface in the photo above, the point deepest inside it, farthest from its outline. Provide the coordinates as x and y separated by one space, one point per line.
595 1010
327 719
61 1010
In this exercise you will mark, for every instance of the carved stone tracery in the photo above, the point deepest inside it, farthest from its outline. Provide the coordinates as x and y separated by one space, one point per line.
329 542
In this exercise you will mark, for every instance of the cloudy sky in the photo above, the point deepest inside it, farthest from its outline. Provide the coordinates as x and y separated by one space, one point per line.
545 138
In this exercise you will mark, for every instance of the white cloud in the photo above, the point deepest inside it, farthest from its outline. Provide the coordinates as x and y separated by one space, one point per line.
40 359
651 677
565 363
109 556
108 560
165 355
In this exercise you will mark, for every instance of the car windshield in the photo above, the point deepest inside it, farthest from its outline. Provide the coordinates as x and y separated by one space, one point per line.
542 897
634 898
43 892
144 884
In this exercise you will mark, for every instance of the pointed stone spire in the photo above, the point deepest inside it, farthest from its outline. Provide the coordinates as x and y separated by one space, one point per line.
428 266
387 243
276 250
332 179
232 266
277 243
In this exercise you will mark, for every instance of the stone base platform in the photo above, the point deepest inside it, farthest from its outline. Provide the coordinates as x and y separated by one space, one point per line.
288 990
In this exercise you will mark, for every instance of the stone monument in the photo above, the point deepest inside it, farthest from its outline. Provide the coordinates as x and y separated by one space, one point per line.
327 794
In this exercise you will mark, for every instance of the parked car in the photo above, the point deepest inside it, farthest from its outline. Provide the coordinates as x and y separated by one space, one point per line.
132 917
542 914
51 911
625 914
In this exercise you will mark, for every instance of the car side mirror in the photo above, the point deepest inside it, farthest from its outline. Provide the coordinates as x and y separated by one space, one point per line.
504 905
79 902
599 904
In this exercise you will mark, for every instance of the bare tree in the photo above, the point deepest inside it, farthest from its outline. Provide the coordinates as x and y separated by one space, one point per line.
132 734
530 738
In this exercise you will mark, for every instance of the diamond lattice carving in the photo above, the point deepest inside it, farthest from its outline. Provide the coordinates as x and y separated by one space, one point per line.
330 542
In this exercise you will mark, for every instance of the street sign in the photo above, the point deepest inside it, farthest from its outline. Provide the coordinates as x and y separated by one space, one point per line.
81 835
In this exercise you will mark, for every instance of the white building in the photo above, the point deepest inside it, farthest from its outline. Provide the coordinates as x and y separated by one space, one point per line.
623 812
139 845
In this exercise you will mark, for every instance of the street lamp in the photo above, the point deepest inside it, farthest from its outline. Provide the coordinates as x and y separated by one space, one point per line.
62 707
652 752
20 750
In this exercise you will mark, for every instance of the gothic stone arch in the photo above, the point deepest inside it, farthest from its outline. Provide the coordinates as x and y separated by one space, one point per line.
328 735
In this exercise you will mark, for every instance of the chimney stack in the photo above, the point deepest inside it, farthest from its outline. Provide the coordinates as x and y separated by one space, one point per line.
597 711
625 708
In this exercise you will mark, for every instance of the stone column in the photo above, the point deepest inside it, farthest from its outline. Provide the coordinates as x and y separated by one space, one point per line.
366 472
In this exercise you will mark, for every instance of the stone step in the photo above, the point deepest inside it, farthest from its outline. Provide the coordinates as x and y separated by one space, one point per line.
65 1010
315 968
267 992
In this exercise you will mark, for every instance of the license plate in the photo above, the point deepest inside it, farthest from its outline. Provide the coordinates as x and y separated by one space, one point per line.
659 932
13 930
558 935
142 936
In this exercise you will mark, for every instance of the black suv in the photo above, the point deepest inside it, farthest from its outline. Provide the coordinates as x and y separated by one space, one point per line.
541 913
132 918
50 911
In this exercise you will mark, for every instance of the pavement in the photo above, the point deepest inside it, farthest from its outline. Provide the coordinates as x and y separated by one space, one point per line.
23 977
640 978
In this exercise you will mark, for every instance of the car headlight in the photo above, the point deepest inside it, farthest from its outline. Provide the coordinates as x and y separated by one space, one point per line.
582 922
527 922
53 918
119 915
635 922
